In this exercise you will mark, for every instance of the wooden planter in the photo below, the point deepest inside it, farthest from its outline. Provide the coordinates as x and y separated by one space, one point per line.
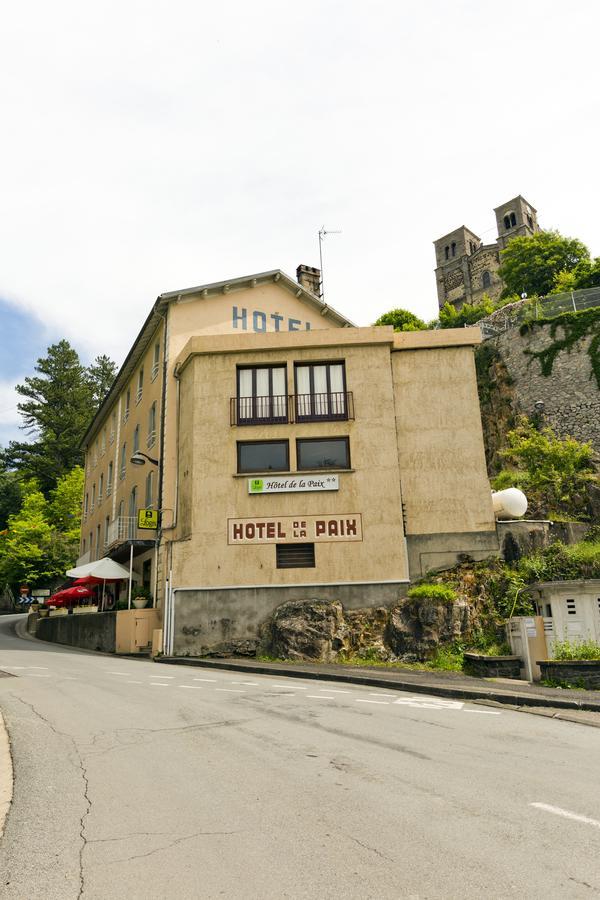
492 666
583 673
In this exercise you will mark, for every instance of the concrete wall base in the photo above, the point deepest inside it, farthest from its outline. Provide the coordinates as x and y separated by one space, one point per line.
94 631
206 619
433 552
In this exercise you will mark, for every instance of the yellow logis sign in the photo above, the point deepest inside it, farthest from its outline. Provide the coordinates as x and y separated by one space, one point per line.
148 518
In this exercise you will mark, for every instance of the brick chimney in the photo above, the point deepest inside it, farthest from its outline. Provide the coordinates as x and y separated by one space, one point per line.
309 278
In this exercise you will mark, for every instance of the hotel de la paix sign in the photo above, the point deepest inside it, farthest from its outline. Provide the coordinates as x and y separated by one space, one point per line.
283 484
292 529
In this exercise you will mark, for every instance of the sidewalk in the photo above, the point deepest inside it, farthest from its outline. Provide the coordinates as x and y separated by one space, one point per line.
573 705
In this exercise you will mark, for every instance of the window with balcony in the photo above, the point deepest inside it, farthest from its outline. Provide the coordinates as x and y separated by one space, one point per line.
127 409
136 439
101 488
151 440
109 479
323 453
261 395
133 503
321 392
140 385
155 360
123 467
263 456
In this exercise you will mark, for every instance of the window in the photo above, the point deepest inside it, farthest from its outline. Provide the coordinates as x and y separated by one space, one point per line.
133 503
149 489
127 405
86 504
83 547
323 453
91 544
121 508
103 442
486 280
93 496
453 248
295 556
447 252
98 542
113 427
263 456
530 221
506 222
106 530
261 395
123 468
155 360
136 439
109 479
320 392
101 488
140 385
513 219
152 426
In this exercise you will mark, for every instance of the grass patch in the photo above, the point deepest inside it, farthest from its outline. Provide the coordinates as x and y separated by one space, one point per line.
576 650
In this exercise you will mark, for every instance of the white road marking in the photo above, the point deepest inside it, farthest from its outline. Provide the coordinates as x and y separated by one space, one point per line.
134 682
482 712
37 675
383 695
191 687
331 691
230 690
117 673
429 703
159 684
251 683
292 687
557 811
212 680
37 667
319 697
161 676
385 702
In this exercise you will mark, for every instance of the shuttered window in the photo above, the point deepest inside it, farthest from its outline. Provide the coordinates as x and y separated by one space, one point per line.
295 556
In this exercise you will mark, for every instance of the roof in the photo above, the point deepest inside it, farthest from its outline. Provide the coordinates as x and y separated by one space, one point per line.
158 312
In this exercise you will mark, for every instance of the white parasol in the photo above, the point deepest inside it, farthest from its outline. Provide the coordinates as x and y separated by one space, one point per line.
106 568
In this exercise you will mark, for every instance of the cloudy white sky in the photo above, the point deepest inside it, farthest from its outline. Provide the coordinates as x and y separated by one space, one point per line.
149 146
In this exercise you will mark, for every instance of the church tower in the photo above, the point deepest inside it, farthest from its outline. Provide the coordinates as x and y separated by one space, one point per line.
516 218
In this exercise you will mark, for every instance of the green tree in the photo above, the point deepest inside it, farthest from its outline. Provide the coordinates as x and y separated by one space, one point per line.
99 377
531 264
11 493
586 274
41 540
56 411
402 320
554 473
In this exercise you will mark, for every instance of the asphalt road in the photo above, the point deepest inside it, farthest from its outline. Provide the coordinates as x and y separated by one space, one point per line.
134 780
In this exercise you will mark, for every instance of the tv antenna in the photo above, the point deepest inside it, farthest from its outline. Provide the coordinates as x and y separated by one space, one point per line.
322 232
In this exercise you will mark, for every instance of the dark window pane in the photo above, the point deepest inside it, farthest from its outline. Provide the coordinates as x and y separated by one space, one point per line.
262 457
295 556
326 454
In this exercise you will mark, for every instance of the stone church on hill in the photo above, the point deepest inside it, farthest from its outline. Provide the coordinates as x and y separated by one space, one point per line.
466 268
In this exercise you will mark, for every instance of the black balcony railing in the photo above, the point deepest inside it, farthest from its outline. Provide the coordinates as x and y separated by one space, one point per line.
282 409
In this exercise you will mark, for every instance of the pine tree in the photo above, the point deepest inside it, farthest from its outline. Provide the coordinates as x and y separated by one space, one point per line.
100 376
57 409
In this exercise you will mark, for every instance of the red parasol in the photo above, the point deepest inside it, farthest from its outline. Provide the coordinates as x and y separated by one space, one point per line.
66 596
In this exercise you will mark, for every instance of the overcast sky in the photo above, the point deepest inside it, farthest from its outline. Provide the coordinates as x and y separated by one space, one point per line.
149 146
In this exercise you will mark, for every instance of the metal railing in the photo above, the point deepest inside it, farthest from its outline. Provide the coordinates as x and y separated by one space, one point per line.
514 314
123 528
284 409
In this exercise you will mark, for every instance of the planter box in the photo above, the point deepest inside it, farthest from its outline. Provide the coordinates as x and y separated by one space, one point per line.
59 612
493 666
77 610
581 673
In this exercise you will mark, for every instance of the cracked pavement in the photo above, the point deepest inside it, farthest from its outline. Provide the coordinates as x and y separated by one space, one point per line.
132 783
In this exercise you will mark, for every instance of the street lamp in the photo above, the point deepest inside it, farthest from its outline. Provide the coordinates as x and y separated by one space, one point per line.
139 459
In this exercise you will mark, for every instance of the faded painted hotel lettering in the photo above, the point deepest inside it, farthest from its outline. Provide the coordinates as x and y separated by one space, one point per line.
258 321
288 529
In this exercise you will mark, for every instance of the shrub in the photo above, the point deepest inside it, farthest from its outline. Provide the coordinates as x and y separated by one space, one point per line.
439 592
576 650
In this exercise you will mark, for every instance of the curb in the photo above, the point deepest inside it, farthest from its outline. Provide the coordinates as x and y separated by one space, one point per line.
460 693
6 775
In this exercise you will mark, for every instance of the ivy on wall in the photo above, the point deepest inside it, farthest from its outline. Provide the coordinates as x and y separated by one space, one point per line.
574 326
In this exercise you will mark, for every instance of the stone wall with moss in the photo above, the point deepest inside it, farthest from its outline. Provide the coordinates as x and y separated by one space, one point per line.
556 361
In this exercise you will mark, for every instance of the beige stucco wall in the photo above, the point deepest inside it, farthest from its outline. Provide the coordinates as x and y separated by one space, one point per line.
211 492
440 442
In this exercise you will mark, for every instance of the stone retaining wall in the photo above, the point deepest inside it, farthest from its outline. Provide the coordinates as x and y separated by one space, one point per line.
580 673
93 631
